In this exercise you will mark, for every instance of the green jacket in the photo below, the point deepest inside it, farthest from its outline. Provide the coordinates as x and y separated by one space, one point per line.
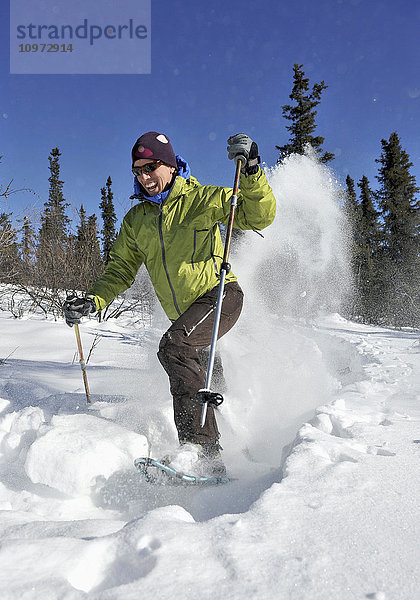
179 241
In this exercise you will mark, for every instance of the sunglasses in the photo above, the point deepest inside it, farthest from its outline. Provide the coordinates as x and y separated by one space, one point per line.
149 168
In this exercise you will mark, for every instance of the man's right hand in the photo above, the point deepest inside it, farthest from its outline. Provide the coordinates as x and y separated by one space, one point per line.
75 308
241 146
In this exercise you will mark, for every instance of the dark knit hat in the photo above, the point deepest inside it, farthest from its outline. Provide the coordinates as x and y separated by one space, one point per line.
154 145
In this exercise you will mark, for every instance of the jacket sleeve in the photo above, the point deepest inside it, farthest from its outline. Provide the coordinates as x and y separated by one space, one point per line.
256 202
121 270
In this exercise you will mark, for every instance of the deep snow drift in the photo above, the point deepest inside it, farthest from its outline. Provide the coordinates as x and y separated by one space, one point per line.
319 425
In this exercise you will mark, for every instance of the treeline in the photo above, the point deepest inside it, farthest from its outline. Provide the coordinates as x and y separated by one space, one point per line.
54 258
384 222
385 249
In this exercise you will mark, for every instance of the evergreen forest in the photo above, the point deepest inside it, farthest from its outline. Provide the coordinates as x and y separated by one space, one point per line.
45 256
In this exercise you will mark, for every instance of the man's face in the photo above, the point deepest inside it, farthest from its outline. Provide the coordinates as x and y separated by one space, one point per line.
156 181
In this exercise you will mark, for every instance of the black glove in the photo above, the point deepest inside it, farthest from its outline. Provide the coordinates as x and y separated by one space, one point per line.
241 146
75 308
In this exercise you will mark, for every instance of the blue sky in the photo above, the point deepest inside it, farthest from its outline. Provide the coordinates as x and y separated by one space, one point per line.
218 68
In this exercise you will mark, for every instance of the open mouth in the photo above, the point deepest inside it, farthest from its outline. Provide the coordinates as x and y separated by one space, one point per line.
151 187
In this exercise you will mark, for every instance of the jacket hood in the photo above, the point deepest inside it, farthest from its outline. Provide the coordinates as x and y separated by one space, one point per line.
183 171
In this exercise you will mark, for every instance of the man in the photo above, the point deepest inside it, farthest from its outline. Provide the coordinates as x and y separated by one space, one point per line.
174 230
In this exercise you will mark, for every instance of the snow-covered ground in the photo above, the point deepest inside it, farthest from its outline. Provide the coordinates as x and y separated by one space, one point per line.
320 429
337 516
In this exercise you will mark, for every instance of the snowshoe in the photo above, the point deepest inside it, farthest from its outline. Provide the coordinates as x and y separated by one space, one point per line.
193 464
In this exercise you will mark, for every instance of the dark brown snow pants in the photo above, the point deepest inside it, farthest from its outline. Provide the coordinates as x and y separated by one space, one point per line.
179 355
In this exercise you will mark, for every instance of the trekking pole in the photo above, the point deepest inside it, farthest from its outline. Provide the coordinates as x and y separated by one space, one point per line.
206 395
82 361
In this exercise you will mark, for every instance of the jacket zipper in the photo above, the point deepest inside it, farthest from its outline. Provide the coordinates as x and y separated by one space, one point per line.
195 244
162 245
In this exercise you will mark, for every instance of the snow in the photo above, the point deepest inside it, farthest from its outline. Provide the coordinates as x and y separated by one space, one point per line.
320 428
94 448
337 516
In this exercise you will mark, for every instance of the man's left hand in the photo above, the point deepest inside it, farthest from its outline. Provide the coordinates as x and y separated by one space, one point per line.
75 308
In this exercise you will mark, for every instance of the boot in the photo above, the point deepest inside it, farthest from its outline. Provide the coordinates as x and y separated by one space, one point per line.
201 460
211 459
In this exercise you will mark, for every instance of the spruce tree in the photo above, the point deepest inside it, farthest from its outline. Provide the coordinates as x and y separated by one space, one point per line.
27 251
80 253
53 248
87 254
353 214
302 116
369 215
369 239
351 205
400 239
109 219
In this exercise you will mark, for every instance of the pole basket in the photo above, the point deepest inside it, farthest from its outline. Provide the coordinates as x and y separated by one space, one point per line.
208 397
